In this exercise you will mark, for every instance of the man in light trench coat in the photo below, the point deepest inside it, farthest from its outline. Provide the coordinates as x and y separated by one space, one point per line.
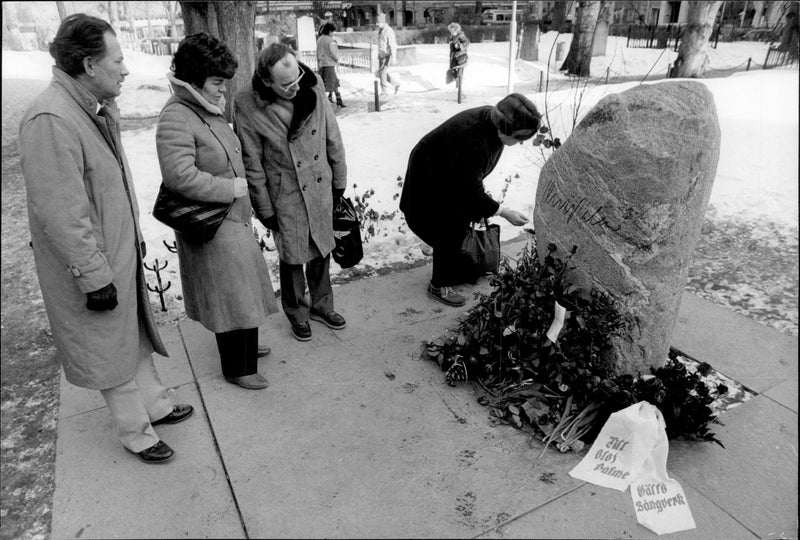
294 160
86 240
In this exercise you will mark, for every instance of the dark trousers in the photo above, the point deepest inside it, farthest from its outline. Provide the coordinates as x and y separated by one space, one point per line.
293 288
238 352
450 267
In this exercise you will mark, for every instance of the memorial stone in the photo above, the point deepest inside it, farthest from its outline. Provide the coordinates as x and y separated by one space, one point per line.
629 188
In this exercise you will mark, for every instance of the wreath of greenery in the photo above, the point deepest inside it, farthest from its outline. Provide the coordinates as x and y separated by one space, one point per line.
562 391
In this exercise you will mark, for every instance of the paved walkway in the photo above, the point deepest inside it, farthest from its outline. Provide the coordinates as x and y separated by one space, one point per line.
357 436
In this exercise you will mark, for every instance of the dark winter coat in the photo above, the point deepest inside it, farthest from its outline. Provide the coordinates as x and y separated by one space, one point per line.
84 223
291 170
226 283
444 179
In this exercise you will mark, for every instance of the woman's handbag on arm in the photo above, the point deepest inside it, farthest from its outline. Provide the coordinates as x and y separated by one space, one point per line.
481 247
197 222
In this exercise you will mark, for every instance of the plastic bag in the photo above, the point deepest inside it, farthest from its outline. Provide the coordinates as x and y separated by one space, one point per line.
347 231
631 450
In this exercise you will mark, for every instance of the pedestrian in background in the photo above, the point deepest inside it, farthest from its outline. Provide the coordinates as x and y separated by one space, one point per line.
387 54
87 244
296 171
225 281
327 60
458 54
443 190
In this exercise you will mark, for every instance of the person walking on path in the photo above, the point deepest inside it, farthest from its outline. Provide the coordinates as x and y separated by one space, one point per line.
295 162
443 190
387 53
458 54
327 60
225 281
87 244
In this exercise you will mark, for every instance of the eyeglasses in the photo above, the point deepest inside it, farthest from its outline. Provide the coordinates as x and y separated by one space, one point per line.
288 87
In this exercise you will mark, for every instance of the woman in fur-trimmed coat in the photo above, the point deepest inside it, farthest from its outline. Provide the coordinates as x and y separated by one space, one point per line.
226 283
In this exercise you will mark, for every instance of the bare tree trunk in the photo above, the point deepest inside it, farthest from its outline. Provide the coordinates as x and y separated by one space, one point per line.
529 45
62 11
559 15
234 23
579 57
12 37
112 15
128 6
169 7
692 58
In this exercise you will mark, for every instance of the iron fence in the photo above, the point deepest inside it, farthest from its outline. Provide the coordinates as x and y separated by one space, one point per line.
654 37
781 59
350 60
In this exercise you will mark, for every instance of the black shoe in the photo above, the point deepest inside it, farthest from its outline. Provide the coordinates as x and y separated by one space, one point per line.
330 319
446 295
340 104
158 453
263 351
301 331
256 381
179 414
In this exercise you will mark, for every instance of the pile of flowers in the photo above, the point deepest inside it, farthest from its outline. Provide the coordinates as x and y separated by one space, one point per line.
563 390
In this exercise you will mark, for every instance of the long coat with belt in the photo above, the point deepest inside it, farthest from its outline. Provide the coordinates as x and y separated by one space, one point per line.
290 169
226 283
443 188
84 224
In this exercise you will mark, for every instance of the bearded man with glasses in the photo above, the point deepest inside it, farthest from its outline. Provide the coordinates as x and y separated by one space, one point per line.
296 172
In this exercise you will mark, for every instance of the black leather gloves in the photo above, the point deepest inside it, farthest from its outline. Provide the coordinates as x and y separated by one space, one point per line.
104 299
270 223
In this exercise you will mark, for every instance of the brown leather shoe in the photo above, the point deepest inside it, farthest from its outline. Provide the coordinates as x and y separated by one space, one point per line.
179 414
158 453
263 351
256 381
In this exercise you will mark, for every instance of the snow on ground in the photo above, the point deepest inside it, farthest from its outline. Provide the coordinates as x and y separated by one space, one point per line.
756 179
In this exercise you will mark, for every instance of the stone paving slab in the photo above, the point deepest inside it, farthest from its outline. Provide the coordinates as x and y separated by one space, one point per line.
596 512
358 436
342 452
753 478
174 371
785 393
753 354
102 491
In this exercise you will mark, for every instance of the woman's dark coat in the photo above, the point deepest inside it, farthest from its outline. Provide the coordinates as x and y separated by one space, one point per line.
444 179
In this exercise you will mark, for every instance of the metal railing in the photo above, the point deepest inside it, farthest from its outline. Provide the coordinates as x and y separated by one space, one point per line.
654 37
781 59
350 59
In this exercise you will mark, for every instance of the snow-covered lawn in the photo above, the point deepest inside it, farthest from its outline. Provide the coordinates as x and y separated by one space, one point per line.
756 179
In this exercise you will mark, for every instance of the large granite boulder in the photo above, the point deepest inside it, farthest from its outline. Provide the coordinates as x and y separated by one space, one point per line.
630 188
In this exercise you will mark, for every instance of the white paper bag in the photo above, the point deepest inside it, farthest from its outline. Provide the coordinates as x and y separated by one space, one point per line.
659 501
631 450
618 454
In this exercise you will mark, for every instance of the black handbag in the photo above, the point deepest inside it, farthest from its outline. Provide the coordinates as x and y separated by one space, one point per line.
347 231
197 222
481 248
